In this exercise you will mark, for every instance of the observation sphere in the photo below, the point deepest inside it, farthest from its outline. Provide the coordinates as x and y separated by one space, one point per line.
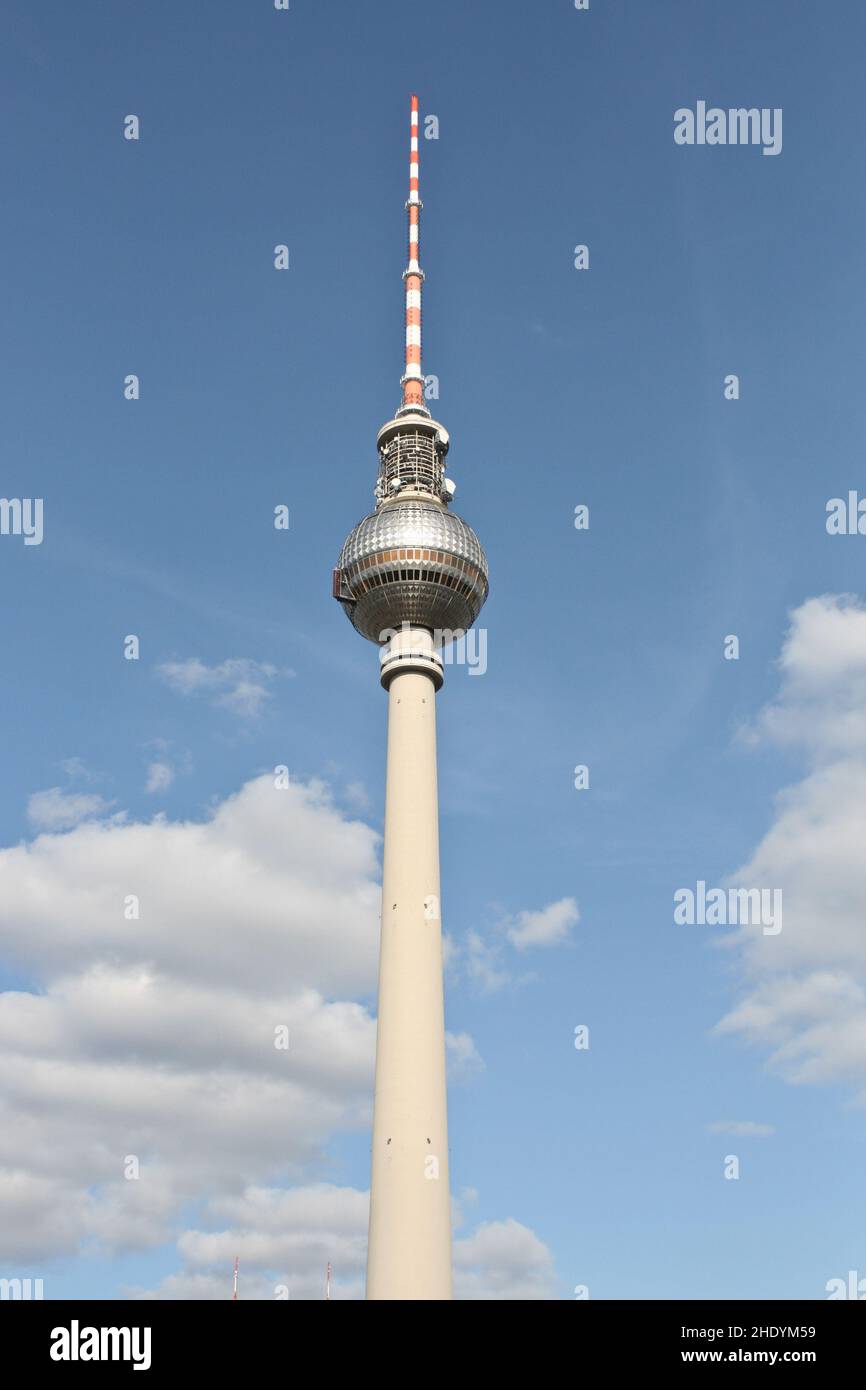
415 562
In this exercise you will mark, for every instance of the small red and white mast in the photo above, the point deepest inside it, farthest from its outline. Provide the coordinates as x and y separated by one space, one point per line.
328 1282
235 1282
412 380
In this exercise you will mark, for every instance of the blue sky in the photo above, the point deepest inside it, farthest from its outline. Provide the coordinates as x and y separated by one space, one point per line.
605 647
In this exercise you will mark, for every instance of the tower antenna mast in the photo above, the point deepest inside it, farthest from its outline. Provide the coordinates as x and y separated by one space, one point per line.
412 380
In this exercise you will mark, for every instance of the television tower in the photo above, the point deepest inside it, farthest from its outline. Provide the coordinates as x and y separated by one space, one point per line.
412 577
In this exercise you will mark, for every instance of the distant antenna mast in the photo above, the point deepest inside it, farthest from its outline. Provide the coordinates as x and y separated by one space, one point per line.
412 380
235 1282
328 1283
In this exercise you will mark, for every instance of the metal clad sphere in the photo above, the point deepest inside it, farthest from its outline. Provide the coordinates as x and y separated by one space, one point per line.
414 562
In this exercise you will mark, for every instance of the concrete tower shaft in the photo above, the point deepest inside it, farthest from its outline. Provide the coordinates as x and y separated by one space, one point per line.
409 1250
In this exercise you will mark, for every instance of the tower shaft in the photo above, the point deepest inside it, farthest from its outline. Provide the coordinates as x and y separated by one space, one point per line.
409 1250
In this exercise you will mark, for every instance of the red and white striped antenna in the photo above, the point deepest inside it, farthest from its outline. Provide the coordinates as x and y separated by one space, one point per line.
328 1282
235 1282
412 380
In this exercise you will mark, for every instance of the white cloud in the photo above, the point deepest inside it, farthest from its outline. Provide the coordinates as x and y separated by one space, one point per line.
468 1197
548 927
55 809
238 684
356 796
160 776
821 704
276 885
742 1129
282 1237
154 1038
804 990
286 1238
481 960
503 1260
480 957
77 770
463 1058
